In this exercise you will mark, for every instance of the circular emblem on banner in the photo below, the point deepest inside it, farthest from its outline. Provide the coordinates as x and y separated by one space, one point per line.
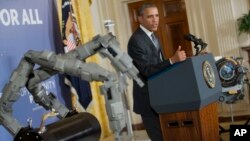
208 74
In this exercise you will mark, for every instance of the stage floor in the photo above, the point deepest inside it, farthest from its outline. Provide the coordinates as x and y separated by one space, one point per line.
141 135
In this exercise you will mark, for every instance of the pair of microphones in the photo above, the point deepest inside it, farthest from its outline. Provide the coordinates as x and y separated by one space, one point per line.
199 45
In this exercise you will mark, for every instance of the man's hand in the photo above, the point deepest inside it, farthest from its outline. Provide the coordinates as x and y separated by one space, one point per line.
179 55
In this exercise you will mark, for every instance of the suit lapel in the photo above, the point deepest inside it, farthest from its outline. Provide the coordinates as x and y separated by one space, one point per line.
148 43
147 40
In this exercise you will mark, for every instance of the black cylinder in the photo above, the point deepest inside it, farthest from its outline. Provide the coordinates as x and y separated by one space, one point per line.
79 127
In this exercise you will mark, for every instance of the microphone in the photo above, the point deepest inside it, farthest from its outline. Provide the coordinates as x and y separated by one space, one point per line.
189 37
199 45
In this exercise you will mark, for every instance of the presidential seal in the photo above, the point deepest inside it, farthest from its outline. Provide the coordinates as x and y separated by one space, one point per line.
208 74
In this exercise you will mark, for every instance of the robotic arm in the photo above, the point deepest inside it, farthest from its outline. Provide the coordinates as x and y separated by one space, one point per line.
109 47
71 64
10 95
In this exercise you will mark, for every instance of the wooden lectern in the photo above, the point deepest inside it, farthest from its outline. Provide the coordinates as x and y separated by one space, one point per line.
185 96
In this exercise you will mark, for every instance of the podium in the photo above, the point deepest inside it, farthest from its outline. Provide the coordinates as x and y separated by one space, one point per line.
185 96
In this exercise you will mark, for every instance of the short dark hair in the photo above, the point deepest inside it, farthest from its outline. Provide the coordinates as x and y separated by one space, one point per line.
143 7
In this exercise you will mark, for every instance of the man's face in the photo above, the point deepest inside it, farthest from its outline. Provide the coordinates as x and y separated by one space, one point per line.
150 18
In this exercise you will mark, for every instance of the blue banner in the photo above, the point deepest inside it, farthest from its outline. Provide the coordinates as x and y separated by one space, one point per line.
26 25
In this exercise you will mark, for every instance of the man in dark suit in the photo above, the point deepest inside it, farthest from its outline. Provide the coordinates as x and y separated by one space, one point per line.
146 52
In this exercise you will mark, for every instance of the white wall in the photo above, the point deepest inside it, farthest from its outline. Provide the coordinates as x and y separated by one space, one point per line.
215 21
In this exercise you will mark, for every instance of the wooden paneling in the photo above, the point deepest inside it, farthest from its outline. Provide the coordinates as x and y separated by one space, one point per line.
201 125
173 24
132 8
173 9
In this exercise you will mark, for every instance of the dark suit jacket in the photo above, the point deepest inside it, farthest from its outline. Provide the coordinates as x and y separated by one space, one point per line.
147 60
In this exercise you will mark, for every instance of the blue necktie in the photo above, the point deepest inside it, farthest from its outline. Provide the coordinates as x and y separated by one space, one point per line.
155 41
157 46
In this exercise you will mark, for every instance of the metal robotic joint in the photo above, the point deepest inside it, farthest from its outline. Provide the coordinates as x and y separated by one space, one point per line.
70 63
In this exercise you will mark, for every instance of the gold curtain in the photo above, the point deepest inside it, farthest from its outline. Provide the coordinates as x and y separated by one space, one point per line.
82 11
